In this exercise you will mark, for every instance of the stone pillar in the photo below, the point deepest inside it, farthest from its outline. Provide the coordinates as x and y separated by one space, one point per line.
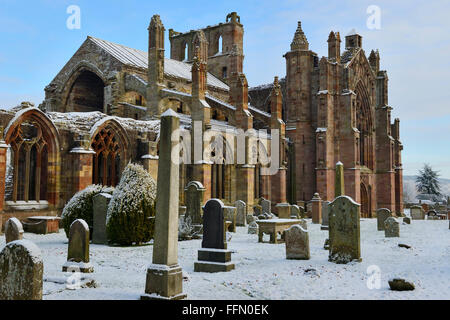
339 188
164 275
82 164
245 185
316 209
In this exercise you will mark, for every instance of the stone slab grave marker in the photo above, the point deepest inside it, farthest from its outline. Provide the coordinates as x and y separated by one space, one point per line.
230 214
100 208
391 228
344 229
297 243
283 210
266 205
164 279
13 230
241 214
295 212
194 192
417 213
214 256
325 215
253 228
21 271
407 220
78 251
382 215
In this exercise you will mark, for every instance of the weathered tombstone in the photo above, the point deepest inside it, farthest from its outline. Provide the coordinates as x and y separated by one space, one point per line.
100 208
257 210
78 252
241 214
266 205
382 215
295 212
417 213
253 228
194 192
325 215
164 276
316 208
339 186
407 220
21 271
283 210
13 230
297 243
230 214
391 228
214 256
344 229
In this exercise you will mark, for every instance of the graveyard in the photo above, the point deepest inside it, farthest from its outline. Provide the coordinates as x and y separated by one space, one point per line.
262 270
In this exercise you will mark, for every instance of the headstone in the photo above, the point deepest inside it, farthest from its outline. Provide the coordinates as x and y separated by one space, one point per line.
283 210
344 229
251 218
382 215
391 228
297 243
407 220
194 192
230 214
253 228
304 224
241 214
316 208
295 212
325 215
100 208
257 210
164 279
78 252
417 213
13 230
339 186
214 256
266 206
21 271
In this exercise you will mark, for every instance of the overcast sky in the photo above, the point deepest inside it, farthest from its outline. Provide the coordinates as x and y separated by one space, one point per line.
414 44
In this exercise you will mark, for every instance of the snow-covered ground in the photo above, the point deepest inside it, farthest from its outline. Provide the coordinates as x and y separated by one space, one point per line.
262 271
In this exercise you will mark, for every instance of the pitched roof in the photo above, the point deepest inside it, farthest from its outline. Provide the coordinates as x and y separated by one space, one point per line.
139 59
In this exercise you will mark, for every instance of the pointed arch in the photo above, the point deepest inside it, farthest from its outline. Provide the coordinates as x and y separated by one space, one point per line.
110 143
364 123
35 157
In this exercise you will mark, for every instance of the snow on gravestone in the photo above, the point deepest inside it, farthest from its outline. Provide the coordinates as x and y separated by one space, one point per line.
382 215
78 251
297 243
241 214
344 229
21 271
100 204
13 230
391 228
194 198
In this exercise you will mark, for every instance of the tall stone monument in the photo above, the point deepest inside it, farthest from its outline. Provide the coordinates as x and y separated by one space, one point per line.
214 256
344 229
339 186
164 275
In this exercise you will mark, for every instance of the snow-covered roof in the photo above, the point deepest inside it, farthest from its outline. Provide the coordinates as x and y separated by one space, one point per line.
139 59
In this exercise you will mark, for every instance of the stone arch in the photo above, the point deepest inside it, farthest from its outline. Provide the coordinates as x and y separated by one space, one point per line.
35 157
83 90
110 143
365 197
